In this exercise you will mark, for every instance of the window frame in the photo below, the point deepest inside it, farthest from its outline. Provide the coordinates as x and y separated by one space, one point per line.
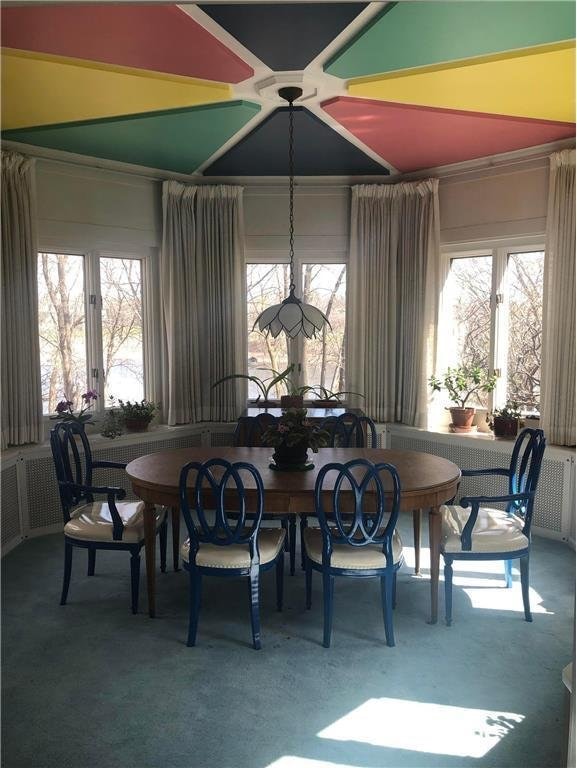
93 314
499 250
295 346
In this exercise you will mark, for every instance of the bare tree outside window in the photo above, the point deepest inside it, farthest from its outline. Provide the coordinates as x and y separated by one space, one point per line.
62 328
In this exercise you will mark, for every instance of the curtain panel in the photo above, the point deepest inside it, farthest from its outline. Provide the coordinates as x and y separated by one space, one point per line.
558 360
392 298
202 294
21 395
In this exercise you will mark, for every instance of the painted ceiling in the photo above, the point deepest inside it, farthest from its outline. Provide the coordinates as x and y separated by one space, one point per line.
388 88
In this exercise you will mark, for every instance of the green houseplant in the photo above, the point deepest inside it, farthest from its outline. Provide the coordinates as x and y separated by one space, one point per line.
264 385
329 398
461 383
505 421
137 415
292 436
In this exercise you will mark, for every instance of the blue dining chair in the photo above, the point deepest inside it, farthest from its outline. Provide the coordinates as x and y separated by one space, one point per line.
90 524
222 544
475 530
357 535
248 433
350 430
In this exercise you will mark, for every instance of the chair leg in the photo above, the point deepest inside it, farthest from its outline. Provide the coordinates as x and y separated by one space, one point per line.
253 592
284 525
508 573
308 581
135 579
328 595
292 542
448 590
91 561
524 563
417 539
67 571
387 588
162 535
194 591
175 512
303 525
279 580
394 590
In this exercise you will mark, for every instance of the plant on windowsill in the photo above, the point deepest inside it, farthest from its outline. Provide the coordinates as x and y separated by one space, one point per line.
264 385
329 399
137 415
112 423
65 411
505 421
461 383
291 437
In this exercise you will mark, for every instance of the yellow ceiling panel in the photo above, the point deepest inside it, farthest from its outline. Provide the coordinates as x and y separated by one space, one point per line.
44 90
537 83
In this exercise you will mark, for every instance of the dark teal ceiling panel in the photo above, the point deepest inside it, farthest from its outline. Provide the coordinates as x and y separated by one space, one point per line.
178 140
319 150
285 36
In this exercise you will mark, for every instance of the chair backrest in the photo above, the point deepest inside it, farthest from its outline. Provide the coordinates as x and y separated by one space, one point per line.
73 466
249 430
350 431
525 467
362 507
218 499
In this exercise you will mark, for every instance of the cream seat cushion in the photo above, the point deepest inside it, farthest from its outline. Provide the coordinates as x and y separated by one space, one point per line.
494 530
93 522
270 542
346 556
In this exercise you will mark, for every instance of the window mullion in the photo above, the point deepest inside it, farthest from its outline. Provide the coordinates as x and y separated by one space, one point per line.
499 325
94 326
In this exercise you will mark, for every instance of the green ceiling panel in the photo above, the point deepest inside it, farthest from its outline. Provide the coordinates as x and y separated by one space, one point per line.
418 34
176 140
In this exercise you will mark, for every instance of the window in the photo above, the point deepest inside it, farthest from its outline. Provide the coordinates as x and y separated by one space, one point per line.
90 327
494 312
319 361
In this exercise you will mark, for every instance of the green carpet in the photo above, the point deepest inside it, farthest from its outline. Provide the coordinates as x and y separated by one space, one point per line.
89 685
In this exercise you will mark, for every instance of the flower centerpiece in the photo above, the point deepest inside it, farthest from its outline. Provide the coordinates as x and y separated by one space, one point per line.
291 437
65 409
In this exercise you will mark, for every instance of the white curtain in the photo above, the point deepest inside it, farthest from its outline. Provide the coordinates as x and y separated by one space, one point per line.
20 357
202 289
392 298
558 360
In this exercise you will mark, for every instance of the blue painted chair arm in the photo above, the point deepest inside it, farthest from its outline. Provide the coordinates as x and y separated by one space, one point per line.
113 495
475 502
109 464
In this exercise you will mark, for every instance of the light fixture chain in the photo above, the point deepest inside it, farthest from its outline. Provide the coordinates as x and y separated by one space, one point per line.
291 196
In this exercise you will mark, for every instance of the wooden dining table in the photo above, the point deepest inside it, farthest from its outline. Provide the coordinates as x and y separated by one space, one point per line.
427 482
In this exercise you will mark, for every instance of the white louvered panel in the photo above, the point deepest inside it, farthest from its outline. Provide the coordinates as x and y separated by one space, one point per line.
548 510
222 437
10 516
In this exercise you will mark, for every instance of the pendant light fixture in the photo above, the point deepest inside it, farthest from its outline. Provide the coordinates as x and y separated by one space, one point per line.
291 316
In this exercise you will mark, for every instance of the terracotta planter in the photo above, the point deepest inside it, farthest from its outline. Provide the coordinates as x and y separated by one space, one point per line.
505 427
291 401
462 419
136 425
289 456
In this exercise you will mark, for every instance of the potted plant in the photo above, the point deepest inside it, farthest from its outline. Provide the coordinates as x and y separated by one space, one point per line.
65 411
291 436
505 421
137 415
461 383
112 423
330 399
264 385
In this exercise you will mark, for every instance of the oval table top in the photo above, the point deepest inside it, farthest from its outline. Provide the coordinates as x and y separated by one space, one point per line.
426 480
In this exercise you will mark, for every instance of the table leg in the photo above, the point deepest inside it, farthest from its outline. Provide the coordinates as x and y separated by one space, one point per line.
417 539
435 550
175 537
150 550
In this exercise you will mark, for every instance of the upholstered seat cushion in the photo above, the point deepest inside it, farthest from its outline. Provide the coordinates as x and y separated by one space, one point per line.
347 556
494 530
93 522
270 542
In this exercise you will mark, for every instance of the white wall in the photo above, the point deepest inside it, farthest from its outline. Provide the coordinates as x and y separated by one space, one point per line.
81 207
